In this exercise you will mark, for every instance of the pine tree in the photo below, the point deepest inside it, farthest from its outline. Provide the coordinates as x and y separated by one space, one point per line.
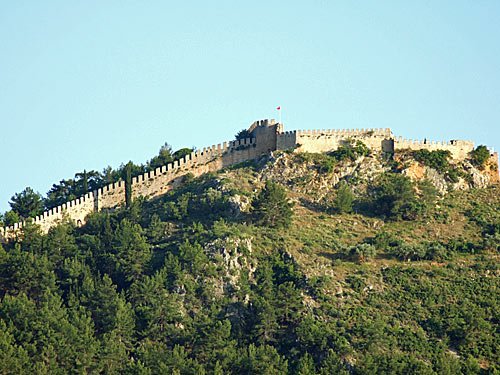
27 203
128 183
272 207
344 199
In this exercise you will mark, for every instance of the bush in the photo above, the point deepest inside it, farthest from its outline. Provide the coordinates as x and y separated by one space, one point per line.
271 207
363 251
384 241
436 251
322 162
243 134
393 197
350 151
437 159
407 252
479 156
344 199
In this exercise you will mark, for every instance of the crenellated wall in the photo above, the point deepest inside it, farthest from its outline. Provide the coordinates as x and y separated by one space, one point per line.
330 139
75 210
376 139
209 159
458 149
266 136
148 185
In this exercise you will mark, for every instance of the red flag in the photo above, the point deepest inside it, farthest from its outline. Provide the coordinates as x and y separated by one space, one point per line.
278 108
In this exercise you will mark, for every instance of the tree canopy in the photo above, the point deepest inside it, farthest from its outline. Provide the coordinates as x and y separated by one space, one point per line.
27 203
272 207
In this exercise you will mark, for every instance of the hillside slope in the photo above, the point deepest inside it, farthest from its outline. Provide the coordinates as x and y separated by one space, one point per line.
396 277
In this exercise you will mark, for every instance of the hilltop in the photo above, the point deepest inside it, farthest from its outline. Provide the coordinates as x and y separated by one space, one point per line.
92 191
348 261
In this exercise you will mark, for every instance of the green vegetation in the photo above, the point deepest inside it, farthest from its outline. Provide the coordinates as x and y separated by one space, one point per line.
243 134
272 208
393 196
325 163
480 155
28 203
344 200
127 178
440 161
350 151
225 275
437 159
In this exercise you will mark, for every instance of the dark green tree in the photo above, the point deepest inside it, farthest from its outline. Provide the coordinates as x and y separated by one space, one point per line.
243 134
263 359
88 181
13 358
11 217
60 193
306 365
272 207
480 155
127 177
344 199
27 203
111 313
332 364
163 158
393 196
132 250
179 154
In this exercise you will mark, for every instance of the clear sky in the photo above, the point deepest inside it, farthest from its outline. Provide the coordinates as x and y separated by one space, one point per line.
86 84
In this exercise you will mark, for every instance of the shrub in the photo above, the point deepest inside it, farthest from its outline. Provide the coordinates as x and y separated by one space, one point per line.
322 162
407 252
437 159
384 241
479 156
393 197
350 151
242 134
344 199
271 207
428 192
363 251
436 251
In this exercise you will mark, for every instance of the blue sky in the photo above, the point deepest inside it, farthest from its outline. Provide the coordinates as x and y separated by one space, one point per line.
88 84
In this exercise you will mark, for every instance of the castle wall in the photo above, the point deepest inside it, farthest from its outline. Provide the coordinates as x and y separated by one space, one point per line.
148 185
286 140
267 135
110 196
329 140
458 149
75 211
210 159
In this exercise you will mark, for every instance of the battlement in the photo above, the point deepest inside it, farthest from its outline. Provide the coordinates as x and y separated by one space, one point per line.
262 123
266 136
348 132
459 149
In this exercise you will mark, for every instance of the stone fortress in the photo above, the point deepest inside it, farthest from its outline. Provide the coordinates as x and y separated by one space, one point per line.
265 136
